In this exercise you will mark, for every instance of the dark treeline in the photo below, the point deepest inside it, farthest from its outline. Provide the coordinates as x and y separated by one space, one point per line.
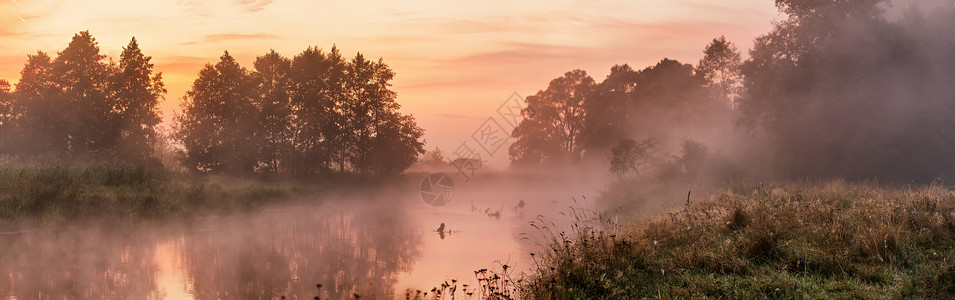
79 106
838 89
314 113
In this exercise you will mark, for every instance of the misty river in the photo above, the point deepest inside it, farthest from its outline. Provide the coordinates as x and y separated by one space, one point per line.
374 243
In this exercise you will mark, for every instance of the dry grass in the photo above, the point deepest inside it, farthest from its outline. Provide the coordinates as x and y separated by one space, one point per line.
820 240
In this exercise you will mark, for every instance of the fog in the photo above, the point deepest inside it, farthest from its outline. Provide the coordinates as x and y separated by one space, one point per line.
376 243
846 90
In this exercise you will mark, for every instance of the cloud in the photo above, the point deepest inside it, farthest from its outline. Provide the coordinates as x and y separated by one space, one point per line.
216 38
253 5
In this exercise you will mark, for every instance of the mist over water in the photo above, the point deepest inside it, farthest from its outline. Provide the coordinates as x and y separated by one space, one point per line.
377 243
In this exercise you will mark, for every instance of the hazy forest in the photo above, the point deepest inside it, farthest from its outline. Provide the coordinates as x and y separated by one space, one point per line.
816 164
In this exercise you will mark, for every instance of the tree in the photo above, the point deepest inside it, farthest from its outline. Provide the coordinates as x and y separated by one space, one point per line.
628 156
6 115
553 121
273 77
373 113
217 124
842 92
316 120
39 112
83 77
137 93
397 144
608 109
6 105
720 68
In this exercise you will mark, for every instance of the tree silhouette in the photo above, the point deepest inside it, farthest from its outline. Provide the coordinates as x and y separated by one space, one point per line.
720 67
553 121
39 112
82 75
217 125
137 93
272 75
297 116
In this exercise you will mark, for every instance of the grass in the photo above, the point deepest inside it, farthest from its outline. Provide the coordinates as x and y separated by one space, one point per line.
820 240
50 195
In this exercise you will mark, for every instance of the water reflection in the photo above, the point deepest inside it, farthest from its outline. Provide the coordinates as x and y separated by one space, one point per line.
69 264
288 252
281 252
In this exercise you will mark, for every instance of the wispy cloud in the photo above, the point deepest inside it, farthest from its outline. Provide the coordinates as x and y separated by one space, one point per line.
253 5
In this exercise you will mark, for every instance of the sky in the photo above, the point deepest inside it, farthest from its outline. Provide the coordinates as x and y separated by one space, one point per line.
456 61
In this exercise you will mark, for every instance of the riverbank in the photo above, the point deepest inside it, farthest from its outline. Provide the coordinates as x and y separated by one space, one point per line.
819 240
42 196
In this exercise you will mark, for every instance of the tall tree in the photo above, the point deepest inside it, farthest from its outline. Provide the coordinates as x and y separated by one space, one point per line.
83 75
314 110
371 106
39 112
272 75
720 67
608 110
137 93
217 124
553 121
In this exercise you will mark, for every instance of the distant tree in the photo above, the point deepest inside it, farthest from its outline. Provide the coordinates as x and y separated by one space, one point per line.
137 93
82 74
273 77
6 104
6 116
720 67
217 125
553 121
692 157
628 156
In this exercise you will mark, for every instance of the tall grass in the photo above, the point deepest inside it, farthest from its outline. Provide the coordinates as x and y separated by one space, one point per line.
820 240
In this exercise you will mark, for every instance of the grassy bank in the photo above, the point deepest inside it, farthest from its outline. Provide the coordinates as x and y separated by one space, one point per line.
798 241
46 195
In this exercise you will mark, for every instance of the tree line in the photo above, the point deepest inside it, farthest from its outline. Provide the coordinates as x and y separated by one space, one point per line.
80 106
837 89
314 113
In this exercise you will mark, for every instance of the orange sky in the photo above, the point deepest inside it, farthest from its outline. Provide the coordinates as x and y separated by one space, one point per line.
456 61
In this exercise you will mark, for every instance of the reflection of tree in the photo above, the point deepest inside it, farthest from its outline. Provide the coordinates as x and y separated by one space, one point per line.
88 264
287 253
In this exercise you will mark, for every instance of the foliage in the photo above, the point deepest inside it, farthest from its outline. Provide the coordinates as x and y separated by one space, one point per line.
628 156
859 96
298 116
77 106
553 120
